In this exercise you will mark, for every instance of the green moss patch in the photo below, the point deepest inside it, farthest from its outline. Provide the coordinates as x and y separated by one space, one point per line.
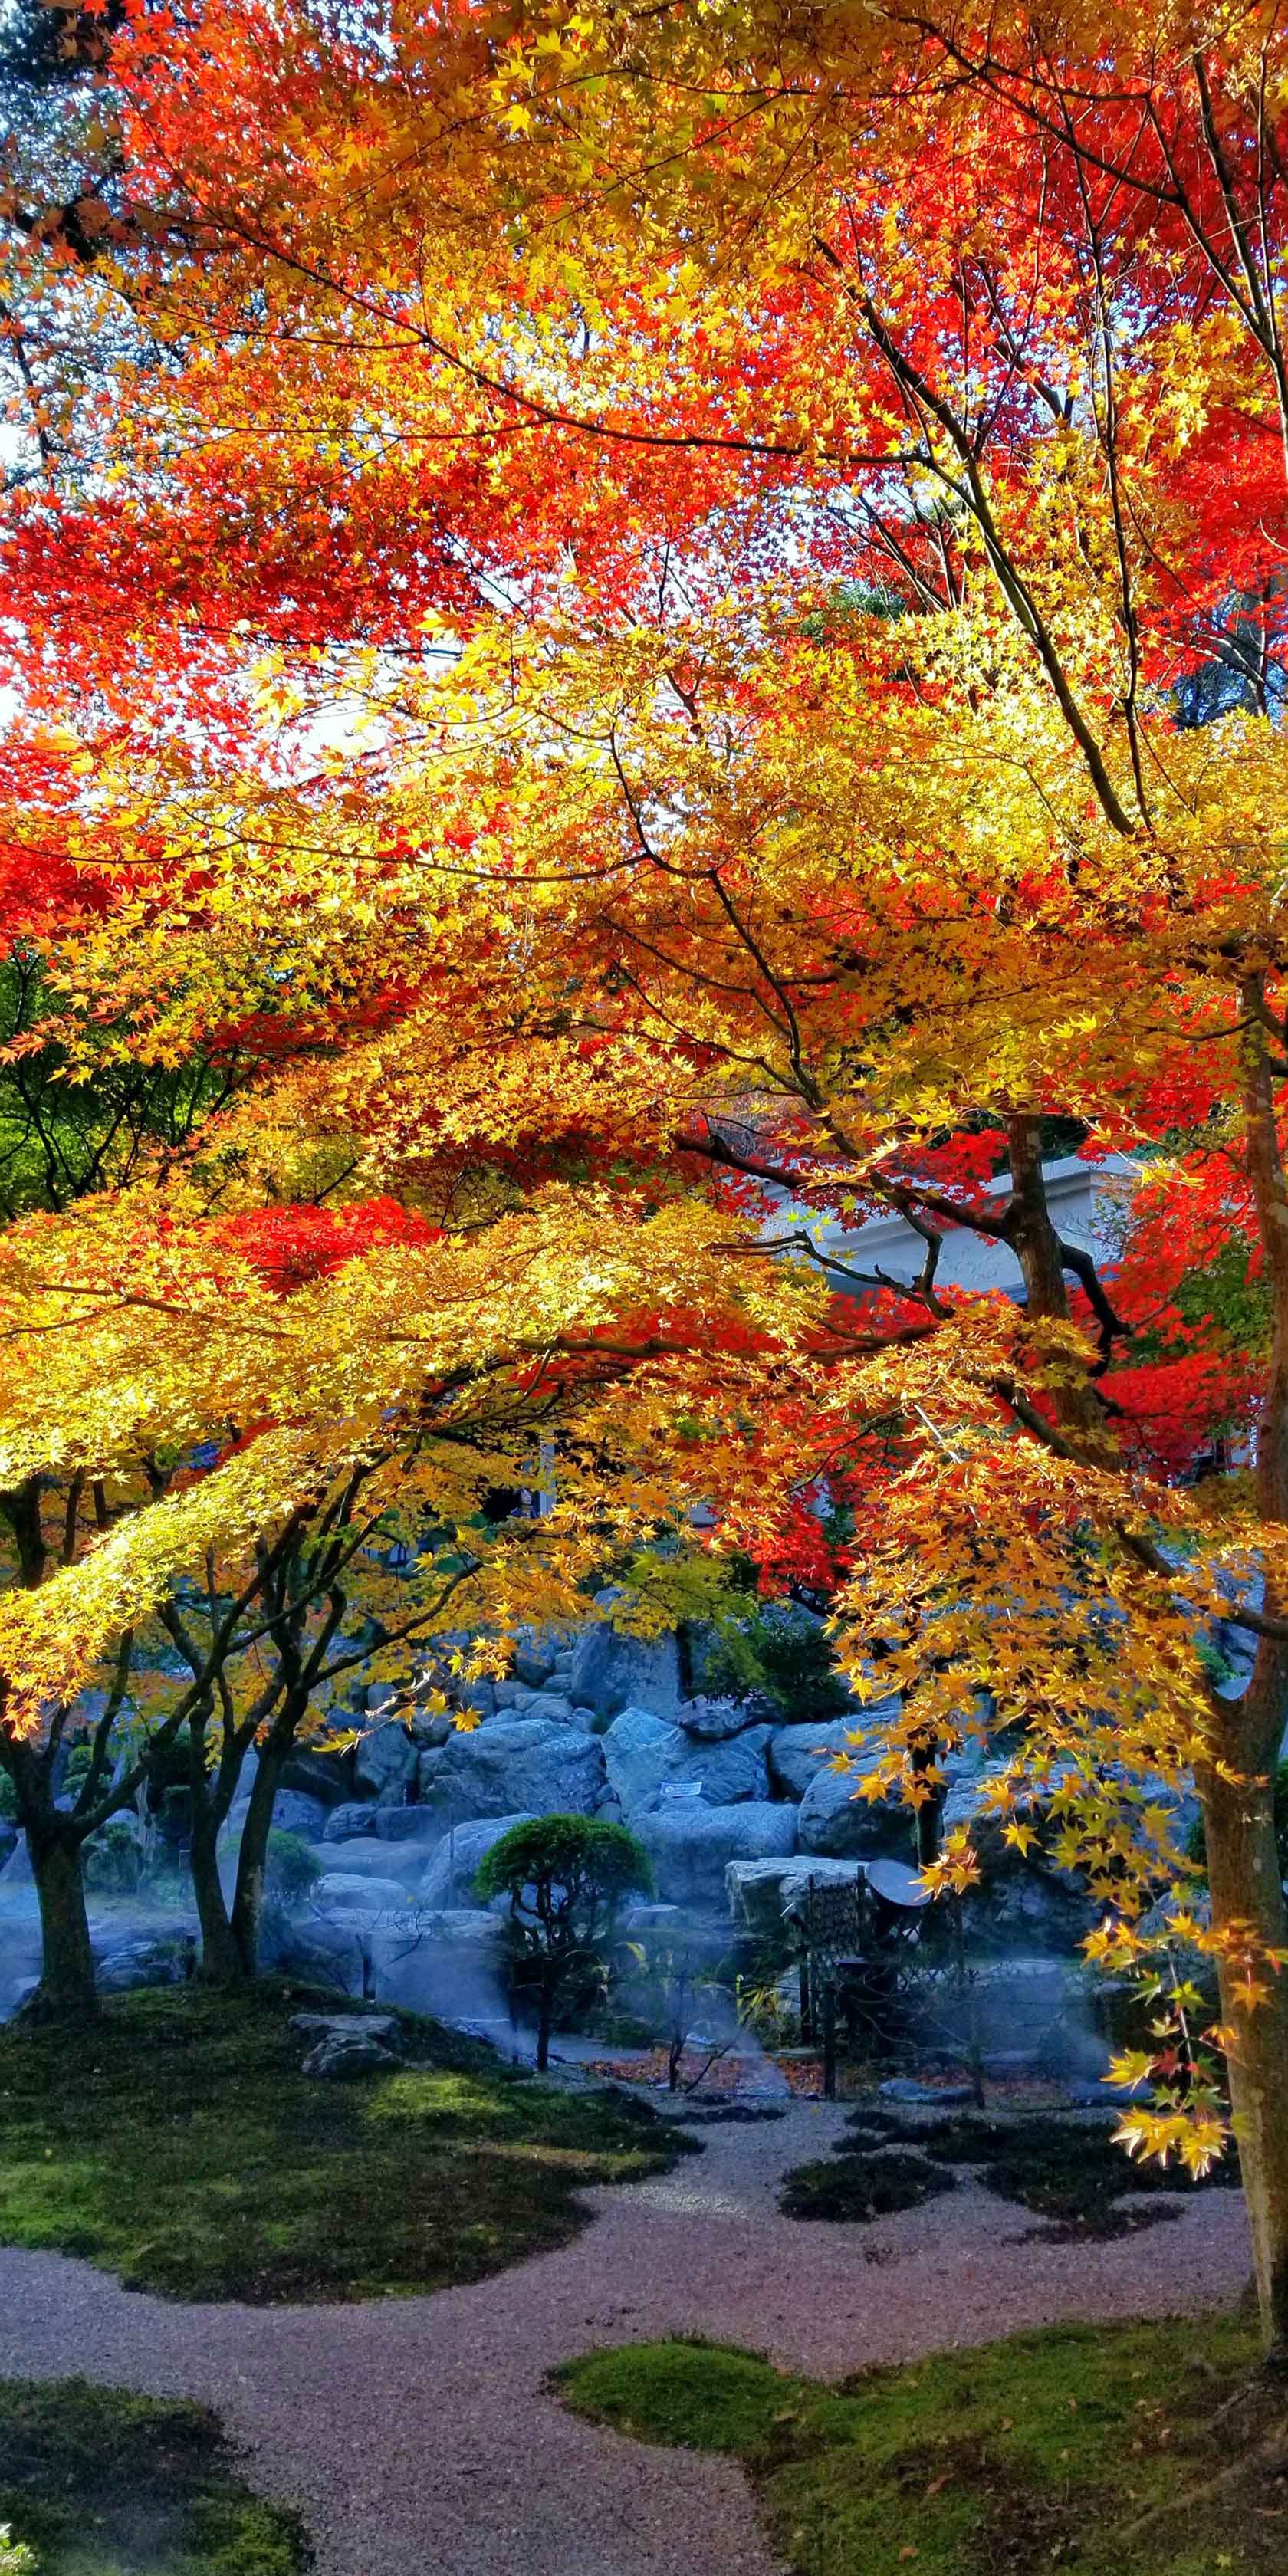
862 2187
177 2144
97 2482
1068 2172
1094 2446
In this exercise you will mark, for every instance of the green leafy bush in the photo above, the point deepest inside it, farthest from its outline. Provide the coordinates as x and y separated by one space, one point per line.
113 1860
780 1655
292 1867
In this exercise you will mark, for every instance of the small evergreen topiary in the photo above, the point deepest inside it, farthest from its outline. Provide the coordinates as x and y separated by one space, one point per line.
564 1876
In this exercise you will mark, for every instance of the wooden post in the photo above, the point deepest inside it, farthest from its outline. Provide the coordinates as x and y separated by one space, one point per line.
807 2026
829 2040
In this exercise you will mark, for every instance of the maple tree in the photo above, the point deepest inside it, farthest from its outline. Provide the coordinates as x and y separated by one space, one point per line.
643 584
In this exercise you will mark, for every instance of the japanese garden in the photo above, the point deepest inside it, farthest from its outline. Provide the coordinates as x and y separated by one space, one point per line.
643 1287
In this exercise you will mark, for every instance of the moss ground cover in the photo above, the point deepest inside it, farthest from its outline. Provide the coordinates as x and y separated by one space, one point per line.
1068 2173
178 2144
1119 2449
96 2482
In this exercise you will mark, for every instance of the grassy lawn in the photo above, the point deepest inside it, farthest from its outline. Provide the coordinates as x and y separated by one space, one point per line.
177 2144
98 2483
1045 2451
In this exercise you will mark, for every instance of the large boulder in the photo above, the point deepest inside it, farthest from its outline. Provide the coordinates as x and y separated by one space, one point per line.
170 1961
350 2045
713 1719
544 1707
373 1856
354 1817
449 1879
760 1892
610 1672
643 1756
384 1761
407 1825
798 1755
1021 1899
449 1963
838 1825
691 1846
338 1893
295 1813
534 1655
316 1775
513 1764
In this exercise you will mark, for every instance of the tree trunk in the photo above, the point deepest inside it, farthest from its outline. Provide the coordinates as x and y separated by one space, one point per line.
545 2017
1243 1864
67 1990
252 1859
222 1963
1243 1873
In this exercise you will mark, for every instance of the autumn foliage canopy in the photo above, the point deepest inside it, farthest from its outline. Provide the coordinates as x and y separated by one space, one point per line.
636 637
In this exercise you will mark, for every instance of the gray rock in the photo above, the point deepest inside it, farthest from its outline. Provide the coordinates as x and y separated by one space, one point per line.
1020 1899
534 1656
838 1826
643 1756
463 1927
407 1825
8 1840
760 1892
544 1707
293 1813
373 1856
610 1673
339 1894
478 1699
384 2027
449 1879
316 1775
145 1963
354 1817
385 1761
653 1919
348 2049
691 1846
505 1694
513 1764
798 1755
319 1953
713 1719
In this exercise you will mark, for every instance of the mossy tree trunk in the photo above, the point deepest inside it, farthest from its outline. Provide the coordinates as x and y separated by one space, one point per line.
67 1990
252 1858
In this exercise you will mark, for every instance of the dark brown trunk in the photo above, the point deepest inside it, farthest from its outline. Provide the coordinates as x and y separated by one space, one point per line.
545 2015
1243 1872
67 1991
222 1963
1243 1863
252 1859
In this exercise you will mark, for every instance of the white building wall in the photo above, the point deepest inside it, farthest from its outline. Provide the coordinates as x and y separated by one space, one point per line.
1088 1202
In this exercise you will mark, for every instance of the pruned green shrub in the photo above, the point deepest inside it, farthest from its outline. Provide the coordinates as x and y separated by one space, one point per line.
564 1876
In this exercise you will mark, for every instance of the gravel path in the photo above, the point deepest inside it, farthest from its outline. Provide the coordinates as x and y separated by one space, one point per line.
417 2437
